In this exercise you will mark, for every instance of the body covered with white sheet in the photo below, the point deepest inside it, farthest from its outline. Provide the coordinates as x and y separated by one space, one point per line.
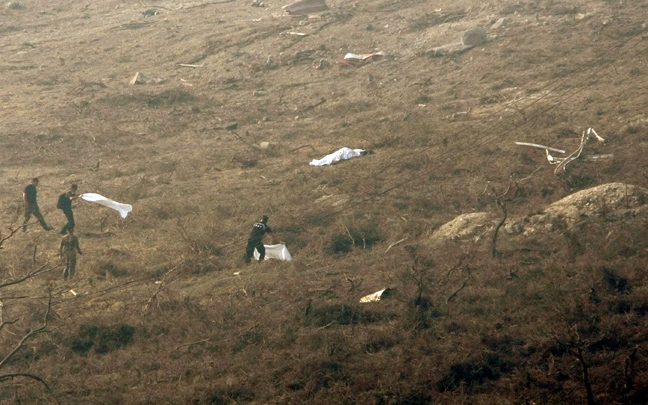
340 154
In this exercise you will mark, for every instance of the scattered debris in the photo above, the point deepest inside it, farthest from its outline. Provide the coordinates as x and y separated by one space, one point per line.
123 209
232 126
499 23
375 297
189 65
303 7
257 3
140 78
562 162
301 34
277 252
354 59
340 154
74 293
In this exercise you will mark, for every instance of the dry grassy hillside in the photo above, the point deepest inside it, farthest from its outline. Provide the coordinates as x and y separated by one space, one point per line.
532 303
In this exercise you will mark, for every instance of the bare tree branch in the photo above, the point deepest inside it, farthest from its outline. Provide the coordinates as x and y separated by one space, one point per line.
42 269
30 334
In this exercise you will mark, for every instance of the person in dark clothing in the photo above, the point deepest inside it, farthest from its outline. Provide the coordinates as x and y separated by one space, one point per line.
255 241
65 203
68 252
31 206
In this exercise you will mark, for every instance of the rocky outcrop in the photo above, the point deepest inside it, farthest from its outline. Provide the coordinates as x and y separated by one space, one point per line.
612 202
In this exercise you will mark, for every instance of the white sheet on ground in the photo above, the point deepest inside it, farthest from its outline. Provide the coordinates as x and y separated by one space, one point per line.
341 154
123 209
279 252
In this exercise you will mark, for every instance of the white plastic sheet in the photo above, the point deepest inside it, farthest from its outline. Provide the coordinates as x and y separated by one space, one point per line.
278 252
123 209
341 154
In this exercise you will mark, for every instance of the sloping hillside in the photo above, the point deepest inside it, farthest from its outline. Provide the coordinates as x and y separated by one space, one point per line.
509 283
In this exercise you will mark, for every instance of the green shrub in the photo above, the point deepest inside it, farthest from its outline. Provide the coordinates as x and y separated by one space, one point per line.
104 339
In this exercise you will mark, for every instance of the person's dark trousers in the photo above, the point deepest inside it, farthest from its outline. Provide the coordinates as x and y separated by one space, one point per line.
70 223
33 210
249 250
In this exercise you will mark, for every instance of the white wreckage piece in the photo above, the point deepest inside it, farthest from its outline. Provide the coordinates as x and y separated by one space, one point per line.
562 162
375 297
277 252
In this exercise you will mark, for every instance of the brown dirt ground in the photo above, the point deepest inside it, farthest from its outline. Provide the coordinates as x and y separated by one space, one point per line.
442 129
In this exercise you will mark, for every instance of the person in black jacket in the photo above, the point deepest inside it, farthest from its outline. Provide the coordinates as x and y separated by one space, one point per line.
65 203
255 241
31 206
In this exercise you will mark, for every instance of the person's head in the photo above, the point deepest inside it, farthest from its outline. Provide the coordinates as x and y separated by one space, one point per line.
74 188
265 219
35 181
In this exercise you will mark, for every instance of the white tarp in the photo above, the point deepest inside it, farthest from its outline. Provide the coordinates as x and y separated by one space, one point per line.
279 252
123 209
341 154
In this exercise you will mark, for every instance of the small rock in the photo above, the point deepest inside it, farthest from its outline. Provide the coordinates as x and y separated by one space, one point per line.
474 37
499 23
150 12
264 145
257 4
231 126
15 5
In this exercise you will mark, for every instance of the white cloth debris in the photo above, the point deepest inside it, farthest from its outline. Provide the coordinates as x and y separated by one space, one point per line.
373 297
278 252
341 154
123 209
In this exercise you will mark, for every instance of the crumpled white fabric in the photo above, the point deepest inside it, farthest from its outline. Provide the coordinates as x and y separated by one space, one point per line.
278 252
341 154
123 209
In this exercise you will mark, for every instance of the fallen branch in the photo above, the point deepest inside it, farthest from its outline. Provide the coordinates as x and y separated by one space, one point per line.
209 4
303 146
535 145
394 244
5 377
197 342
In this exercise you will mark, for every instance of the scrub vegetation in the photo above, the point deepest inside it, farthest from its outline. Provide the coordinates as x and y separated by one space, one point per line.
524 307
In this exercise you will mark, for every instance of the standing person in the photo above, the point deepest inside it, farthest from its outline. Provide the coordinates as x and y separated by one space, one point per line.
31 206
255 241
68 252
65 203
